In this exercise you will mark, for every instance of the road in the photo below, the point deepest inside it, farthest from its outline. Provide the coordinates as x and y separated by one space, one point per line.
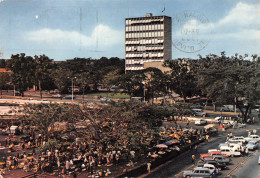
175 167
251 168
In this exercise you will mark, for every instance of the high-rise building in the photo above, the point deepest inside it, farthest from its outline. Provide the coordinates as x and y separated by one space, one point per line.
147 39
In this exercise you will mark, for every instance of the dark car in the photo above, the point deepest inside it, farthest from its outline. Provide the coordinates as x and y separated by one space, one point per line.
221 159
217 164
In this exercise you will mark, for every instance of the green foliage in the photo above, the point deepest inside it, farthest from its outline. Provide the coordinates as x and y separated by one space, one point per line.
4 80
181 78
2 63
227 80
22 68
149 83
52 144
45 115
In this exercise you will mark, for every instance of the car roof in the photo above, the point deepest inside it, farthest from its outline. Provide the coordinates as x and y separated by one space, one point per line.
224 147
209 165
254 141
200 168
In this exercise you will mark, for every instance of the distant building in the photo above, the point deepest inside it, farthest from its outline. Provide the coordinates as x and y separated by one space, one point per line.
147 39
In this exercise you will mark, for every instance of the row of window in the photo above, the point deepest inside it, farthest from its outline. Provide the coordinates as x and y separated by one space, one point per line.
154 54
134 68
144 27
144 34
140 62
144 48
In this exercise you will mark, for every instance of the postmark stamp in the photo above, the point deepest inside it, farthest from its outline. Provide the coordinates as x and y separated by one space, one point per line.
191 32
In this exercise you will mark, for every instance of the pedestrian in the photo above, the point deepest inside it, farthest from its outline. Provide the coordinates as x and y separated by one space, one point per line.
246 152
196 148
207 138
149 167
215 173
193 158
243 150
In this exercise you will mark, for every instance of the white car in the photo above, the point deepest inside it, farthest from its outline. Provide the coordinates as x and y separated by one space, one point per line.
237 139
252 145
259 160
229 151
234 146
56 95
252 137
211 168
200 122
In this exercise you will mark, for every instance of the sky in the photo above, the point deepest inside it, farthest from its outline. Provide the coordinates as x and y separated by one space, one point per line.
65 29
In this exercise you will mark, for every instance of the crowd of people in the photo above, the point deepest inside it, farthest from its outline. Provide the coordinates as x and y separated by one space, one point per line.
33 152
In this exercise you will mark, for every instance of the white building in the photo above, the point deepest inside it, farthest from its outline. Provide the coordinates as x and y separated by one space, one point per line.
147 39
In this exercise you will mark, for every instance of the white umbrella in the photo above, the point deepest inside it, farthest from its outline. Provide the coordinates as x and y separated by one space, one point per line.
161 146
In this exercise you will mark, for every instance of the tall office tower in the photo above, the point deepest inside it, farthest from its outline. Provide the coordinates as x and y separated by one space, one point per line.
147 40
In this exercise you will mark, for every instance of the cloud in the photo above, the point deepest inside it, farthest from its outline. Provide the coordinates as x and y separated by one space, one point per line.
240 24
102 36
242 14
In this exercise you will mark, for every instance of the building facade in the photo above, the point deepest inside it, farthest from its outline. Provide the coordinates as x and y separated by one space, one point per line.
147 39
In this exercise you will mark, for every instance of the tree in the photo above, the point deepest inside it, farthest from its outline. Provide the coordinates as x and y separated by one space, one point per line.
111 78
44 116
5 80
181 78
61 77
154 83
43 65
22 68
233 79
132 83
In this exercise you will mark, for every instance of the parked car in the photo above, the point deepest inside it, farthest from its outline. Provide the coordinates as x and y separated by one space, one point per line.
252 137
252 145
56 95
217 164
237 140
227 108
235 146
229 151
69 97
259 160
221 159
197 172
216 152
200 122
198 112
211 168
222 144
204 156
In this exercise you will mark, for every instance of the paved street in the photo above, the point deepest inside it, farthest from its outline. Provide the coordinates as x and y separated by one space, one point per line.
175 167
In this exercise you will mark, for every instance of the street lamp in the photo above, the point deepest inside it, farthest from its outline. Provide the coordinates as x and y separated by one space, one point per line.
72 87
144 84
